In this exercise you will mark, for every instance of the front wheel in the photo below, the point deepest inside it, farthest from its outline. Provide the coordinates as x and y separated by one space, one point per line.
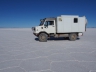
73 37
43 37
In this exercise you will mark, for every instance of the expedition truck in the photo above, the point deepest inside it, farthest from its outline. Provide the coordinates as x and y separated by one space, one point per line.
69 26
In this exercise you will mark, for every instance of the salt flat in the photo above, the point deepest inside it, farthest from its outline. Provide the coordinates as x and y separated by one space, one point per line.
20 51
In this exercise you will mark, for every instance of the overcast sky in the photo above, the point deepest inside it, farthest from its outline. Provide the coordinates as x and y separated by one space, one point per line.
27 13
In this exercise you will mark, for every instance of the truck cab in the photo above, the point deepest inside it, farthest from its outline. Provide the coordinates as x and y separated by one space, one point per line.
47 25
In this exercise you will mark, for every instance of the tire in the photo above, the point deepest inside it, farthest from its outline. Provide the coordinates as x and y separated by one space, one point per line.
43 37
73 37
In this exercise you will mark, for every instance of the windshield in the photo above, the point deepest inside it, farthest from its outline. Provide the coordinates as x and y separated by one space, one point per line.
42 22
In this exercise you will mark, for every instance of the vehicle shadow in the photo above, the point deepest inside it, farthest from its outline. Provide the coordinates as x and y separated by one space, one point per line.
56 39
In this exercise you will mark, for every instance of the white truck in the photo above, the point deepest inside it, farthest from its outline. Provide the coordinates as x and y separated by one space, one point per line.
70 26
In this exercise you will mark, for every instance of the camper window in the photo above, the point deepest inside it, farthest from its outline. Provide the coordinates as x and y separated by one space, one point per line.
75 20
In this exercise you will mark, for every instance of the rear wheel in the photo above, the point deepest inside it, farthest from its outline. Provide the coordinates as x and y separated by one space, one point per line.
73 37
43 37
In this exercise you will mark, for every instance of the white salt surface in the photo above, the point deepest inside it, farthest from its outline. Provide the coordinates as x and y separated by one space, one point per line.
20 51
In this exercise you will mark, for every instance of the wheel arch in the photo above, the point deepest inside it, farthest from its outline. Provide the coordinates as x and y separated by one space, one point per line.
74 33
43 32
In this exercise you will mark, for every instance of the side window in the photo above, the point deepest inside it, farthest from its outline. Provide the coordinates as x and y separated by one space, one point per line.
51 23
75 20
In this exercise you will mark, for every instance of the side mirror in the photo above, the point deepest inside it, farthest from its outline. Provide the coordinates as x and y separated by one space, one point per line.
45 26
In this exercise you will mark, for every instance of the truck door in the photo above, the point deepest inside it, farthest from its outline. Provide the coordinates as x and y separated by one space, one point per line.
49 26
